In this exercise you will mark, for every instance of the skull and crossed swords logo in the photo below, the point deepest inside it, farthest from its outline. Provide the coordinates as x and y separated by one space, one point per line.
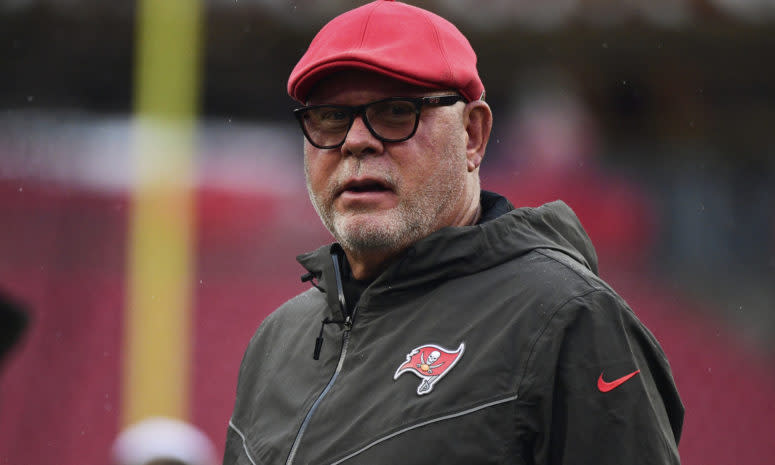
430 363
427 366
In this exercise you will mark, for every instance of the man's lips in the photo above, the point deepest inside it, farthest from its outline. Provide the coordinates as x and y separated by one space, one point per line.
366 185
366 193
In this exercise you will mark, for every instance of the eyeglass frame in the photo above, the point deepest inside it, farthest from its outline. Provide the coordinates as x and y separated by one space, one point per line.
356 110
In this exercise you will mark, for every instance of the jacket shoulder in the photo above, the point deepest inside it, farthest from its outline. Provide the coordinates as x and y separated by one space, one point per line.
555 277
297 307
296 312
573 268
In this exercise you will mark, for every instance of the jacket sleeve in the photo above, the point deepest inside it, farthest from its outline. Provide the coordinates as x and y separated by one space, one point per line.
609 394
234 451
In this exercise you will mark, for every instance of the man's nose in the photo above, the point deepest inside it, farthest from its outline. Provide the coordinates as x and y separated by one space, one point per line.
359 140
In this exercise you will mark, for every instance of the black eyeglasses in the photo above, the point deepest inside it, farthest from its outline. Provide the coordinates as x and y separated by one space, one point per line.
393 119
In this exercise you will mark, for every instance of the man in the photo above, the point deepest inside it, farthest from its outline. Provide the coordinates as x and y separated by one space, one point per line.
448 327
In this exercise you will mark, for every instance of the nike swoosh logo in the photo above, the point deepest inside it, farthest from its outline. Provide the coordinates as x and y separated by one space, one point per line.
609 386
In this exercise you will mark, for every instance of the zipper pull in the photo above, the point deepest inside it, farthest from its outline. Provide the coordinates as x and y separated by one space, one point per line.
348 324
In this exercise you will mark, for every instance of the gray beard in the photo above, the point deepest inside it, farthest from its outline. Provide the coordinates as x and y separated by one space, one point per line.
411 220
406 225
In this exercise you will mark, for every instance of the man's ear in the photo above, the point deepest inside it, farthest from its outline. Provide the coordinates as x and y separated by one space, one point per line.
477 119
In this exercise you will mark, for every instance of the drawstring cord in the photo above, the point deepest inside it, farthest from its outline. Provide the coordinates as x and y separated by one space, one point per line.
319 340
347 319
310 278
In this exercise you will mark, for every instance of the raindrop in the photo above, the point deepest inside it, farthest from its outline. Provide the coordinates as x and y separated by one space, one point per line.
30 98
21 189
605 44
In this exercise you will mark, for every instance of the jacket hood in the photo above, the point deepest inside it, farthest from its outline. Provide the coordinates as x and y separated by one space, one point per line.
457 251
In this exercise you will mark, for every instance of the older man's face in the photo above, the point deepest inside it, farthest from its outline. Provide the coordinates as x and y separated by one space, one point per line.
385 196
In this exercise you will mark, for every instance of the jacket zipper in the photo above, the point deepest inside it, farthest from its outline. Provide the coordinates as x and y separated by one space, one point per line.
345 342
348 324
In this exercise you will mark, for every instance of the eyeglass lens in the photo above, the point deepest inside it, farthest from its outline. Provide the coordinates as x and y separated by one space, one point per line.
391 120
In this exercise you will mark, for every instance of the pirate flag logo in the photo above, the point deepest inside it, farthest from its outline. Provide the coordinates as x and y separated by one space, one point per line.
430 363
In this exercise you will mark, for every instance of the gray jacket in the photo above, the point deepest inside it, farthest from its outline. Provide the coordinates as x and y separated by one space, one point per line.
494 343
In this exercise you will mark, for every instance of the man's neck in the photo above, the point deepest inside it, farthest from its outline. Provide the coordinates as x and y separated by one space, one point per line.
368 264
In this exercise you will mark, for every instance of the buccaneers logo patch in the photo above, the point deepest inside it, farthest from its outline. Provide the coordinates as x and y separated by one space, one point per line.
430 363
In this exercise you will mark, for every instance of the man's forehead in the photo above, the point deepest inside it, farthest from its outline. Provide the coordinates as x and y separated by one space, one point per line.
356 84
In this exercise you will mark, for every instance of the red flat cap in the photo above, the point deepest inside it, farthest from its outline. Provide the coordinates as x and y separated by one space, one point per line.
394 39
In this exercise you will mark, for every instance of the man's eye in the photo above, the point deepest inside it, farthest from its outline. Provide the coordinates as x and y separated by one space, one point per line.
333 115
391 112
400 109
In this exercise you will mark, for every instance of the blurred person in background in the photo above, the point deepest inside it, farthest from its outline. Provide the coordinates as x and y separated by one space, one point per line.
443 325
163 441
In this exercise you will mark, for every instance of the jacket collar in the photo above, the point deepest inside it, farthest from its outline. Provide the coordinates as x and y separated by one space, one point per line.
502 234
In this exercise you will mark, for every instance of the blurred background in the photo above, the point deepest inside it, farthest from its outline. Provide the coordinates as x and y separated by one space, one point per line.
652 119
